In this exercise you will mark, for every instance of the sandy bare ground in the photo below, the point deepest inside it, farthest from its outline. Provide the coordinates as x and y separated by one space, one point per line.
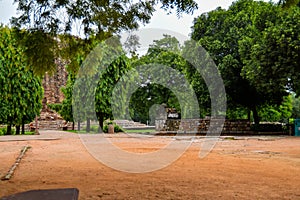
247 168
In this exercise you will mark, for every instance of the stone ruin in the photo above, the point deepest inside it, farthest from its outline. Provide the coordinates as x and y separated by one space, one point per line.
52 84
48 118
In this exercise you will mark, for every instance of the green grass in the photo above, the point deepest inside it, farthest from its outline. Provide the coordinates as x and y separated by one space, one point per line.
81 131
26 133
141 131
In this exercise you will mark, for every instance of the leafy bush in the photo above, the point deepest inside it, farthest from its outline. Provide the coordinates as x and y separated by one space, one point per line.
105 129
55 106
117 128
2 131
94 129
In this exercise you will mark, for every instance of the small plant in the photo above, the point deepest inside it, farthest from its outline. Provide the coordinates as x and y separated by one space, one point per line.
117 128
55 106
105 129
2 131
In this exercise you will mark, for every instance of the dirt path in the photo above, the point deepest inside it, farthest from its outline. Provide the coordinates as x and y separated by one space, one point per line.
248 168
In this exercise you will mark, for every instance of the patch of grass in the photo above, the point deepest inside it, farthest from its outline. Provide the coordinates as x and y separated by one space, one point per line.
3 132
140 131
80 132
29 132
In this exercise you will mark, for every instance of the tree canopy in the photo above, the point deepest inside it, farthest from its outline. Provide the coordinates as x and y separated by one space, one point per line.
255 46
45 20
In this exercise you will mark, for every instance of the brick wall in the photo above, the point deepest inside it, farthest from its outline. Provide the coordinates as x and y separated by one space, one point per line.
201 125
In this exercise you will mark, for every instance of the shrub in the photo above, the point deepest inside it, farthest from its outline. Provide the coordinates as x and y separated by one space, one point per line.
117 128
2 131
105 129
55 106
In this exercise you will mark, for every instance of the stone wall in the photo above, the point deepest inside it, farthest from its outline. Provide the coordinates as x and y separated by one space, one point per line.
201 125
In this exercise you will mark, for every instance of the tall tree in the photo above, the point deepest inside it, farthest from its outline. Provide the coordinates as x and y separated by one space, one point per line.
105 87
220 32
150 93
95 81
21 94
66 110
272 57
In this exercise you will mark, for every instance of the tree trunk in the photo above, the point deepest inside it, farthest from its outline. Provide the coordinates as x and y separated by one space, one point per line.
23 129
88 125
255 115
78 126
36 125
249 115
101 121
18 127
8 129
73 126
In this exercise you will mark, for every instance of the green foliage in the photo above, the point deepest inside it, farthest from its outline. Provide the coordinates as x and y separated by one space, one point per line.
106 84
163 52
286 4
20 98
92 16
92 89
286 107
271 57
277 113
66 110
296 106
97 20
40 50
117 128
55 106
3 131
256 48
270 113
237 113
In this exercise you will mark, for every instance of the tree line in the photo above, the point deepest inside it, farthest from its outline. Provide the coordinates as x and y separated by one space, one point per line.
254 44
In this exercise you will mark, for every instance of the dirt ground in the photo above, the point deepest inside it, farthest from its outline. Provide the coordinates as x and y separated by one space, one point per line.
237 168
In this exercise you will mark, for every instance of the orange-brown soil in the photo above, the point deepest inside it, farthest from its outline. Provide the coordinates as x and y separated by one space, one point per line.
247 168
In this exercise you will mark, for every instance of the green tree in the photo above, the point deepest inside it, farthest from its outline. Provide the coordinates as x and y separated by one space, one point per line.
105 87
165 52
66 110
221 33
272 57
296 106
45 20
21 94
277 113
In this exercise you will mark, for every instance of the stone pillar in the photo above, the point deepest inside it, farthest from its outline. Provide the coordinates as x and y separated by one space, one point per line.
111 129
161 118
